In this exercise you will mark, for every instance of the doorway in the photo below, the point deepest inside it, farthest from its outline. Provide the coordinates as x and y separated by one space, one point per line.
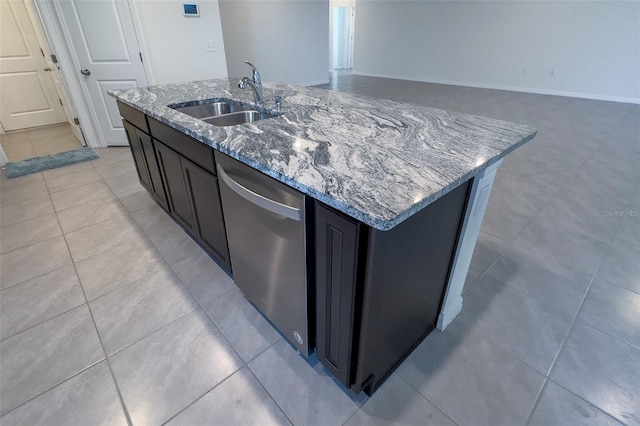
107 55
341 34
30 97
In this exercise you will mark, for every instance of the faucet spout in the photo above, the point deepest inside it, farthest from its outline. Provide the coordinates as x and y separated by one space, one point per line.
257 80
256 84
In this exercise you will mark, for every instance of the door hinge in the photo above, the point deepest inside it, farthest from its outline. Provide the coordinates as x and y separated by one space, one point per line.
42 51
60 101
76 121
54 59
140 54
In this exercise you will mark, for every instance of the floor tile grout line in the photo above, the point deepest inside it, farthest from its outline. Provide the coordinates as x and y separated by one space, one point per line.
30 218
265 388
163 326
171 267
284 413
585 400
490 343
121 286
507 246
31 245
619 286
95 327
536 401
200 305
53 386
572 325
36 242
80 205
201 396
423 396
606 333
4 339
37 276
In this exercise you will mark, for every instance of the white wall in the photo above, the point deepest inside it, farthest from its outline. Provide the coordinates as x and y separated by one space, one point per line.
175 44
593 47
287 40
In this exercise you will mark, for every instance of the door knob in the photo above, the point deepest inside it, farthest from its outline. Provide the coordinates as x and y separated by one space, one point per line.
85 72
47 69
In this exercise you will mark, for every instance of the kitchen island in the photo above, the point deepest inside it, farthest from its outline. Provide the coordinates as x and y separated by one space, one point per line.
395 198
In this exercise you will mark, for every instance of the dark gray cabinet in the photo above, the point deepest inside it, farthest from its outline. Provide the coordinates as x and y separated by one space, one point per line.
138 154
177 191
179 172
337 240
194 201
145 161
207 210
378 293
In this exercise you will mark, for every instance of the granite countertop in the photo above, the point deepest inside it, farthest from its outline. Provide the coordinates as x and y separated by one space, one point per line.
376 160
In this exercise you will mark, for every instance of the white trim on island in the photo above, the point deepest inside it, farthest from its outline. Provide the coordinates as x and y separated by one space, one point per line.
476 207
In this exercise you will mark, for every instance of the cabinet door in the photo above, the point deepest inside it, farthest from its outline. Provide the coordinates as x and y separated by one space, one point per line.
175 185
336 274
157 188
138 155
207 210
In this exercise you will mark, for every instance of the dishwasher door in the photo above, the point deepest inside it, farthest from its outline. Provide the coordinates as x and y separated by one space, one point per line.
265 222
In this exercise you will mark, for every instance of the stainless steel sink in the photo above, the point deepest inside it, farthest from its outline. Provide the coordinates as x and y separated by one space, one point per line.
224 113
239 117
214 109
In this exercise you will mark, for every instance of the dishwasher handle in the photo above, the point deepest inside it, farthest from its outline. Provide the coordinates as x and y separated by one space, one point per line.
259 200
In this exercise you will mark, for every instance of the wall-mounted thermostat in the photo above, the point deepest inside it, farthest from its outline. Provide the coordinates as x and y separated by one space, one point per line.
190 9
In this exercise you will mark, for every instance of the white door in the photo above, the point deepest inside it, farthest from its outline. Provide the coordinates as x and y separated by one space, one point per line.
28 97
105 44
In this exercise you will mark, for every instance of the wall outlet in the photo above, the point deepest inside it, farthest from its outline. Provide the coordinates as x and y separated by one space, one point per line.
210 46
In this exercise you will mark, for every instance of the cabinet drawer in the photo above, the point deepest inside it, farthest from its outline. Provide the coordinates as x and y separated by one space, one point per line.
183 144
133 116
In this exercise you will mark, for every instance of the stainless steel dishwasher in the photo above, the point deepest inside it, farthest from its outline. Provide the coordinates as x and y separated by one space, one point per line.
265 223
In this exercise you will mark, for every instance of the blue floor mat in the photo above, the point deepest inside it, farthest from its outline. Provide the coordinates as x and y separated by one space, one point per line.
38 164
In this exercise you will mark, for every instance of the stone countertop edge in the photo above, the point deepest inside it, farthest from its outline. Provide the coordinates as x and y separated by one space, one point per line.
376 160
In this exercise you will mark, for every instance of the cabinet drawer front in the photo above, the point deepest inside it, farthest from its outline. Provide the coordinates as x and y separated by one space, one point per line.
133 116
183 144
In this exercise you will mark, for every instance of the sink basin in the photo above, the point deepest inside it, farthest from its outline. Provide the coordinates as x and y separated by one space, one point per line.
224 113
213 109
239 117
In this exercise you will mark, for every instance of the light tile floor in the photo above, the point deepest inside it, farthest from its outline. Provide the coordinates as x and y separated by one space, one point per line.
110 314
38 141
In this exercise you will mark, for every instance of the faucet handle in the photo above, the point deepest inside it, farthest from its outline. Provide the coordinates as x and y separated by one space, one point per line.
242 84
256 74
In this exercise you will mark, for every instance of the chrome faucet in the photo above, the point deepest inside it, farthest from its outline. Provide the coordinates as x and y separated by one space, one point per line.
257 93
256 84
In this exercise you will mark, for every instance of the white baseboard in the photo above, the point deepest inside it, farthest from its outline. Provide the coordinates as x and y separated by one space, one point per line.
445 318
510 88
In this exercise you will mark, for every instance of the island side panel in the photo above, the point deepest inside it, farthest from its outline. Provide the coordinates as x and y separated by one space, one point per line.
476 207
407 269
